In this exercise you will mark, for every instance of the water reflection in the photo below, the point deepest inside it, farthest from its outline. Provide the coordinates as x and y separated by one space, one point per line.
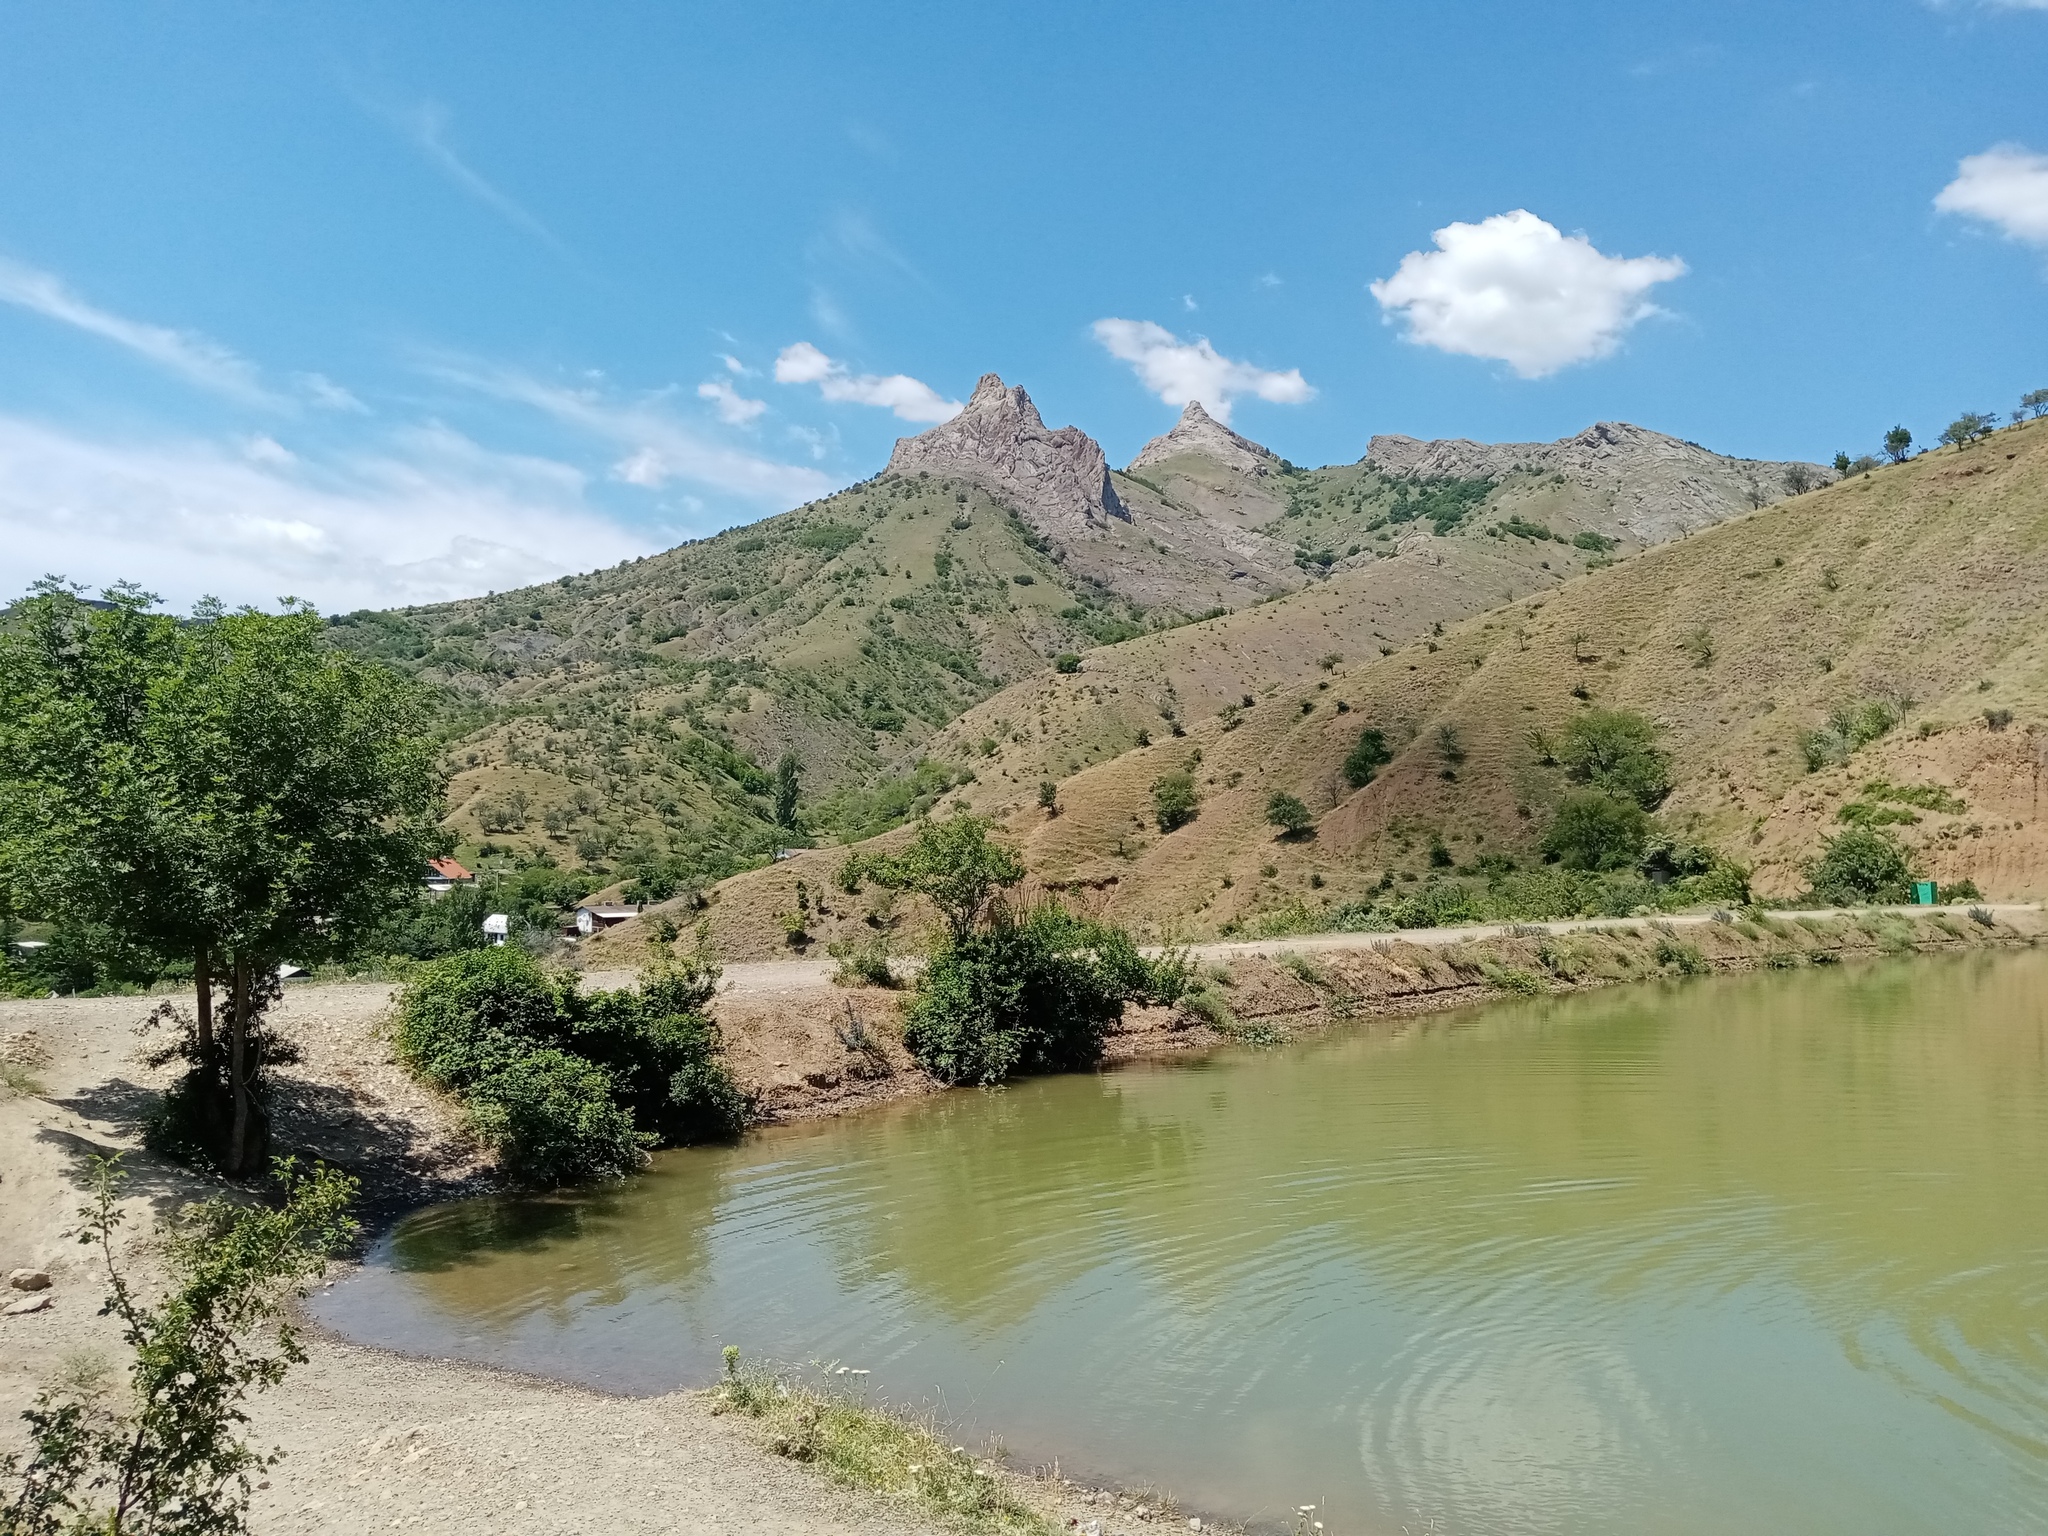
1701 1258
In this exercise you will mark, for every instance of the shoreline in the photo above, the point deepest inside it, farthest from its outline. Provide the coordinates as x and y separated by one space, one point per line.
446 1422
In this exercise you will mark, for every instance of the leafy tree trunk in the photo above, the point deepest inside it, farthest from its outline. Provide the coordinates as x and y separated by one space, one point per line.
207 1066
238 1062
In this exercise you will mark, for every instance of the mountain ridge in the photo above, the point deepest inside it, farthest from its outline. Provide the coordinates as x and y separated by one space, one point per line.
625 720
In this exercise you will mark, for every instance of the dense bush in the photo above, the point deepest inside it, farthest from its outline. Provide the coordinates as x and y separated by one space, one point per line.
1615 750
1596 830
569 1086
1287 812
1174 800
1861 865
1036 993
1367 758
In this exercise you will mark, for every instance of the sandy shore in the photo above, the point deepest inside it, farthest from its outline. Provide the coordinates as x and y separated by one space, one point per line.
376 1442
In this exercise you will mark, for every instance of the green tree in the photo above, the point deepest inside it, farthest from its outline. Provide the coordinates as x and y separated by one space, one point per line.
230 789
1861 865
1037 993
787 772
1897 444
1616 750
2035 403
1286 812
953 864
1596 830
1842 462
1174 801
1967 428
1048 797
169 1461
1367 757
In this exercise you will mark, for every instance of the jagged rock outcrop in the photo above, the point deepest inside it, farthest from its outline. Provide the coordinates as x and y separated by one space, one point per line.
1197 432
1058 481
1660 487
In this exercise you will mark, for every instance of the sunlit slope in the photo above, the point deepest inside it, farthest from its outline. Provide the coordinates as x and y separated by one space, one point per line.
1925 582
625 713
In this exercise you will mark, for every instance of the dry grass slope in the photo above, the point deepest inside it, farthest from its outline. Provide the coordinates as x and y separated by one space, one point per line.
1925 581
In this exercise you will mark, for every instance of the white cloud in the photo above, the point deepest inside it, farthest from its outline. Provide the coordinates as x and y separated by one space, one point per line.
424 516
267 450
1179 371
734 408
427 126
660 448
328 395
1514 288
734 366
2006 186
185 353
911 399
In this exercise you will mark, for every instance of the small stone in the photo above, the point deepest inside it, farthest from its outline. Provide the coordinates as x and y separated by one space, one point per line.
29 1280
27 1305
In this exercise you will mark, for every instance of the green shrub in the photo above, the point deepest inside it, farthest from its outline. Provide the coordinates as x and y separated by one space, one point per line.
1597 830
1174 800
1286 812
1850 726
1683 958
1615 750
168 1452
1367 758
569 1086
1066 661
828 538
862 962
1022 995
1861 865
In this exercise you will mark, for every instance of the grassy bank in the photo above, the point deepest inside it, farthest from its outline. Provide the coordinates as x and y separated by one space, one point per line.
1263 995
878 1449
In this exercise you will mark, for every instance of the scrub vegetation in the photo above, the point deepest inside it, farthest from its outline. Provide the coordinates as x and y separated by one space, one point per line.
165 1456
569 1086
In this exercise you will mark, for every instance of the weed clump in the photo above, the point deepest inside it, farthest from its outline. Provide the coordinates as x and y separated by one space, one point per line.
868 1446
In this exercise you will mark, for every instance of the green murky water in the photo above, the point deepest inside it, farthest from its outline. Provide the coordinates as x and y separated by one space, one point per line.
1738 1255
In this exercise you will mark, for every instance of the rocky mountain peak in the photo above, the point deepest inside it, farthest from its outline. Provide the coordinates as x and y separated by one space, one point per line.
1657 486
1197 432
1057 480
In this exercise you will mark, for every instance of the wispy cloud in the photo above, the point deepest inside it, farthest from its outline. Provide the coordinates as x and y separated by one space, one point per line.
1514 288
426 125
1179 371
328 395
2005 187
424 515
659 447
191 356
911 399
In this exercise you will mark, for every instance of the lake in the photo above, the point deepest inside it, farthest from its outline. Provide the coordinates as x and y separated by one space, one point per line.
1732 1255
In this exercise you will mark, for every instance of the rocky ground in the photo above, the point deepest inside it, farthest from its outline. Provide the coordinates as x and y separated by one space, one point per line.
375 1442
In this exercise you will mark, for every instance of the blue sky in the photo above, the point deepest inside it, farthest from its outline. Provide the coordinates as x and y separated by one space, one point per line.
382 303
